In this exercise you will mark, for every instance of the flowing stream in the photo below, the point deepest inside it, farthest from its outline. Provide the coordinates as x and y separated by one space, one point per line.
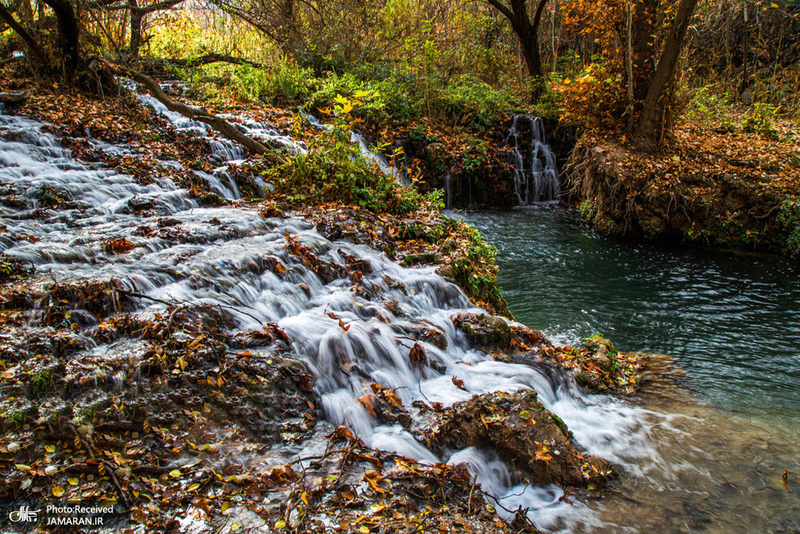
216 261
726 427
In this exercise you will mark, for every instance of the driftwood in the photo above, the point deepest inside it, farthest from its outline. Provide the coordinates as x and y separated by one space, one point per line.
222 126
13 98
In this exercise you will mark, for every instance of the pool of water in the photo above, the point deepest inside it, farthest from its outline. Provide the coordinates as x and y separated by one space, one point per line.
731 319
723 424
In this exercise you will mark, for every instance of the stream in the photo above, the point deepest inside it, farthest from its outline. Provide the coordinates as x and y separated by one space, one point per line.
687 462
723 423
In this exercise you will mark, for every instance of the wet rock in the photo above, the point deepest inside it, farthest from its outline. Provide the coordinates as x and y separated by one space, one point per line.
601 351
484 331
13 269
598 367
48 196
523 433
100 298
432 335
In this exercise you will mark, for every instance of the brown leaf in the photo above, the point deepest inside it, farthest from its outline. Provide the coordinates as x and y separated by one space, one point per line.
368 401
459 383
418 356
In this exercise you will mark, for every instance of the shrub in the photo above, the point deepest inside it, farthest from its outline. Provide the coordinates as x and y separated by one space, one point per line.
334 170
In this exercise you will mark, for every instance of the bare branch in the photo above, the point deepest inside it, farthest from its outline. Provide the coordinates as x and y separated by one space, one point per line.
219 124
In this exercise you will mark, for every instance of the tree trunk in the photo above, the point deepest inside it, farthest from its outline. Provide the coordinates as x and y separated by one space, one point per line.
651 120
68 35
645 16
136 29
527 32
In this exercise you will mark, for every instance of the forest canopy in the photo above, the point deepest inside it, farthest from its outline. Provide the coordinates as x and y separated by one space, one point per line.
626 66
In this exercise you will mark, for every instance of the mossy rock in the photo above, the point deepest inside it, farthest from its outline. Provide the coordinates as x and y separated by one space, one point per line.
484 331
524 433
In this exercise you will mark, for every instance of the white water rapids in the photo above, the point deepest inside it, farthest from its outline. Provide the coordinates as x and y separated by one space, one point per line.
211 264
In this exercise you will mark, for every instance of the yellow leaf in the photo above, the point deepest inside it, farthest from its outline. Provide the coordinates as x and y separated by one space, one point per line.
363 530
280 524
58 491
50 448
235 527
225 507
304 497
542 453
175 473
73 481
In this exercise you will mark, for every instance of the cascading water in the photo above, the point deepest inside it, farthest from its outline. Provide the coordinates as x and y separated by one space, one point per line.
211 266
366 151
540 183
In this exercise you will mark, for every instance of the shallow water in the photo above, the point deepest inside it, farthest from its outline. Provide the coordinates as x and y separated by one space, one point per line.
722 431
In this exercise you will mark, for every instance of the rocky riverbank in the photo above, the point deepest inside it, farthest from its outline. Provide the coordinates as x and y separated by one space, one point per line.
713 186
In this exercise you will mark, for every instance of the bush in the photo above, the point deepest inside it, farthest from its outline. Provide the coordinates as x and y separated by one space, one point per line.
761 119
789 219
472 104
334 170
285 83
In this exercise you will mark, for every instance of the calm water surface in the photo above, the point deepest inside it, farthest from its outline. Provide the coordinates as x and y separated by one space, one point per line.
731 319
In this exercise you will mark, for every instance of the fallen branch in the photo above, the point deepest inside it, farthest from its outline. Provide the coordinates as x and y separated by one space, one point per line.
13 98
160 65
4 62
222 126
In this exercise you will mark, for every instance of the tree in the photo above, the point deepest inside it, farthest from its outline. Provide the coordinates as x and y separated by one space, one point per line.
68 61
652 119
527 31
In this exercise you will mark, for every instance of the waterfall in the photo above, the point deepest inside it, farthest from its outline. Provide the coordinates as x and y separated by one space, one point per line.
448 192
203 265
540 182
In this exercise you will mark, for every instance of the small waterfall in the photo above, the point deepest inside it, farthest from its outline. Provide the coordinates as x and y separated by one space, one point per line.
448 192
366 151
348 341
225 150
540 182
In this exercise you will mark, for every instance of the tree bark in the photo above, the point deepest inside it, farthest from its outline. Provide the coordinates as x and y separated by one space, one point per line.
651 120
221 125
527 31
68 35
136 29
160 65
645 16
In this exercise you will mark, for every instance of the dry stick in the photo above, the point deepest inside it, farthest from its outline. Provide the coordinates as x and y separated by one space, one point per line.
87 442
219 124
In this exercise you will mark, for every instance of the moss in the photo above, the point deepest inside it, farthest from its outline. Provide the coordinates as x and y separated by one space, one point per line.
485 330
789 219
212 199
587 210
